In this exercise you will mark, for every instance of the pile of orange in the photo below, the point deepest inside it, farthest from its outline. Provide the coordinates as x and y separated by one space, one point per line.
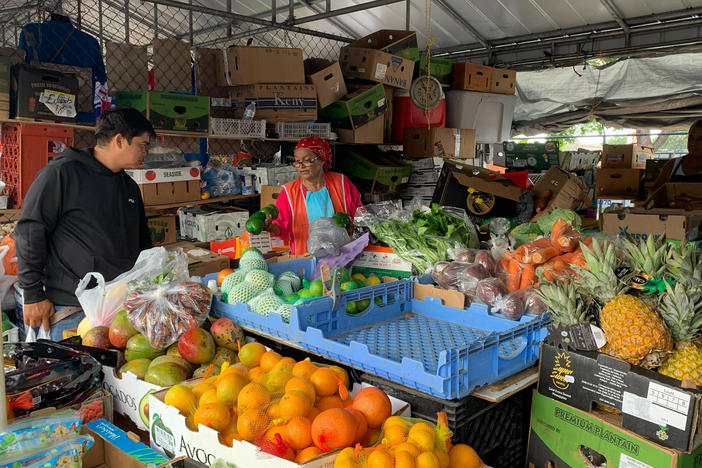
295 410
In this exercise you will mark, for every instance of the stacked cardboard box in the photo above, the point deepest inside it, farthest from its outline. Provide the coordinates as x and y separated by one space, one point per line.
474 77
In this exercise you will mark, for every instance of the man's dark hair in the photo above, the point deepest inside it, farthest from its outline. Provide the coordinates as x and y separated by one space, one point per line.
125 121
696 124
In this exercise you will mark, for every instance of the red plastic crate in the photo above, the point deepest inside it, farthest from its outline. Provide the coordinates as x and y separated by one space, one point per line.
406 115
26 149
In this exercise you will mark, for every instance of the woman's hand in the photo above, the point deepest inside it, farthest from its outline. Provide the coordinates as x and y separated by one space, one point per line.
270 226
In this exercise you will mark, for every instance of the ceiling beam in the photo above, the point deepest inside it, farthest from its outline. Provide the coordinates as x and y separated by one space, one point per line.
342 27
462 21
616 14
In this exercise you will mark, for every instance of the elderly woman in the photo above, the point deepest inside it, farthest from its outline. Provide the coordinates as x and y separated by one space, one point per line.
317 193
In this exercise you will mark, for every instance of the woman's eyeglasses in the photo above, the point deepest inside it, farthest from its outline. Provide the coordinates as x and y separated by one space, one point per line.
305 163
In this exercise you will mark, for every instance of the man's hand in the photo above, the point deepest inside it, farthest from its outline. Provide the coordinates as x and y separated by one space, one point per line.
38 314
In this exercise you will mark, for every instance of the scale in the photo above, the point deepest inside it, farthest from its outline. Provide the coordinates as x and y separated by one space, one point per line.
426 92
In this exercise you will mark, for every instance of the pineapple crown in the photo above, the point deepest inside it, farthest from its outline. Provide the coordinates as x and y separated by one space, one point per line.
684 264
599 279
681 309
561 299
648 256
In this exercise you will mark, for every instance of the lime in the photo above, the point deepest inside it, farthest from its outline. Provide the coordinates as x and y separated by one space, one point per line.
345 275
362 305
351 308
358 276
270 210
348 286
372 280
304 294
359 283
291 298
255 225
378 300
316 288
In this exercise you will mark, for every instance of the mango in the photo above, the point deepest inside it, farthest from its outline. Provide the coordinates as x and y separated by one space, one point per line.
202 370
97 337
166 374
226 334
175 360
138 347
196 346
121 330
137 367
223 355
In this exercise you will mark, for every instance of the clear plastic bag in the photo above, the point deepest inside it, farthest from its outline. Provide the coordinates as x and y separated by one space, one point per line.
163 314
470 276
326 238
221 181
489 290
511 306
163 157
30 434
67 453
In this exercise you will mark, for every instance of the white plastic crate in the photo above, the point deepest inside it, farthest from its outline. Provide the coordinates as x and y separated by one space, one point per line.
11 335
297 130
237 128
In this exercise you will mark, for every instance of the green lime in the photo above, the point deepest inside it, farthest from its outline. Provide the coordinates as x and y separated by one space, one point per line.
316 288
255 225
348 286
359 283
291 298
341 219
362 305
270 210
304 294
345 275
351 308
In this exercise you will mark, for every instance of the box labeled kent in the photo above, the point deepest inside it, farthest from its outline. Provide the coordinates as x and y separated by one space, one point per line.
276 102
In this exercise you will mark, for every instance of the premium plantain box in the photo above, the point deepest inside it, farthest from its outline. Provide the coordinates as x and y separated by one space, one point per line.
170 111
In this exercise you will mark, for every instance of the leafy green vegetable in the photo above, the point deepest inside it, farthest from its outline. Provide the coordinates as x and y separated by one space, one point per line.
546 222
524 233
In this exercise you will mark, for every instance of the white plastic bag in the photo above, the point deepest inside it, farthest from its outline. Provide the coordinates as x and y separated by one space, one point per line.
102 302
31 336
326 238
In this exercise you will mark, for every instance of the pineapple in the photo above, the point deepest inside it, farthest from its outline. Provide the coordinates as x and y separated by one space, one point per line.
648 256
685 265
681 309
634 331
561 299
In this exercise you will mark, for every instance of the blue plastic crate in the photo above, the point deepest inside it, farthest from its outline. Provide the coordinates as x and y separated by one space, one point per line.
435 349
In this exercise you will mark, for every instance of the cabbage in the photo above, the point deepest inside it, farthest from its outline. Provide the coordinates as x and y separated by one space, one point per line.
546 222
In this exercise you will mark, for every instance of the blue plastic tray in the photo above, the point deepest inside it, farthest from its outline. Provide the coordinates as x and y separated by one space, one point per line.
435 349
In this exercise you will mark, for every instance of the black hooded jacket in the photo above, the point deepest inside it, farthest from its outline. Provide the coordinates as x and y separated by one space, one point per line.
78 216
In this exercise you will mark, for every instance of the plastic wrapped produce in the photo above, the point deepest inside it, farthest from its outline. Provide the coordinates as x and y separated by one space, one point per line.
326 238
438 269
462 255
511 306
489 290
164 313
469 277
533 303
484 258
449 276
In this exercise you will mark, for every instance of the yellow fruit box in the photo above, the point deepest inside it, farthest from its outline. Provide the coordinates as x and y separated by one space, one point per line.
171 436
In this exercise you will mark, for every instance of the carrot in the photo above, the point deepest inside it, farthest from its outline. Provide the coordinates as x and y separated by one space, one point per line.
588 241
532 247
555 264
576 258
528 276
514 274
518 254
543 255
557 230
569 239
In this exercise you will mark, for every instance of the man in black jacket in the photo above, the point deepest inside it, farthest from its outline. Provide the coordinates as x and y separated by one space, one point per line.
82 213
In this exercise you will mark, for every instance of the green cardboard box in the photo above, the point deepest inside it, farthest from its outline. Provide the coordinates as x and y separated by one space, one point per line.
356 109
4 88
563 436
526 156
372 170
441 69
170 111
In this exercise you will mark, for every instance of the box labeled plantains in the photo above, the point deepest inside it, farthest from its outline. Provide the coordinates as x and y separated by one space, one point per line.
276 102
531 155
356 109
40 94
170 111
372 170
653 405
562 436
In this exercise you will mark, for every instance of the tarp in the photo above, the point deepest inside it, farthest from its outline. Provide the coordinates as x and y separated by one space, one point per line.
657 92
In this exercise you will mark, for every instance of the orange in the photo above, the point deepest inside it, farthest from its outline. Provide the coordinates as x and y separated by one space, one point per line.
395 435
200 388
250 354
253 396
237 368
304 369
276 380
223 274
257 375
213 415
181 397
361 424
314 412
285 364
273 410
347 463
379 458
404 459
408 447
231 427
228 388
297 383
333 429
464 456
396 421
346 454
269 359
251 424
295 403
443 458
328 402
278 429
298 433
372 436
341 373
421 426
325 381
425 440
307 454
427 460
210 396
374 404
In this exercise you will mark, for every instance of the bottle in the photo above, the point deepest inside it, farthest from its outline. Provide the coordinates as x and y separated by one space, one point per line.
250 111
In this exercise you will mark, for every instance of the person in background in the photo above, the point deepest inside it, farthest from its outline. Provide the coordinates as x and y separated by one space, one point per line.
689 167
317 193
82 214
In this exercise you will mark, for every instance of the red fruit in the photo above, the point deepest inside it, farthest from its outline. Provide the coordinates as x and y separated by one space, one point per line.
374 404
98 337
227 334
196 346
121 330
333 429
361 424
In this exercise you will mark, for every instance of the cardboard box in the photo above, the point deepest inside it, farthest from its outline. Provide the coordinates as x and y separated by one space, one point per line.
652 171
525 156
678 195
372 170
425 192
387 115
127 67
327 80
370 133
374 65
269 194
201 261
426 163
114 447
271 175
381 261
162 229
172 66
441 69
170 435
244 65
640 223
560 436
84 98
172 174
626 156
567 190
396 42
471 77
41 94
170 111
277 102
450 143
613 183
503 81
652 405
425 176
356 109
4 88
164 193
207 224
130 394
481 192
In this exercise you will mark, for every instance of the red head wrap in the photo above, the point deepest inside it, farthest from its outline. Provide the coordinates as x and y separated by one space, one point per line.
319 147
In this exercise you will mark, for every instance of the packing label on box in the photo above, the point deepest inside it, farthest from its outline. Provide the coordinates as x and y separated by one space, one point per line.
154 176
663 405
61 104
